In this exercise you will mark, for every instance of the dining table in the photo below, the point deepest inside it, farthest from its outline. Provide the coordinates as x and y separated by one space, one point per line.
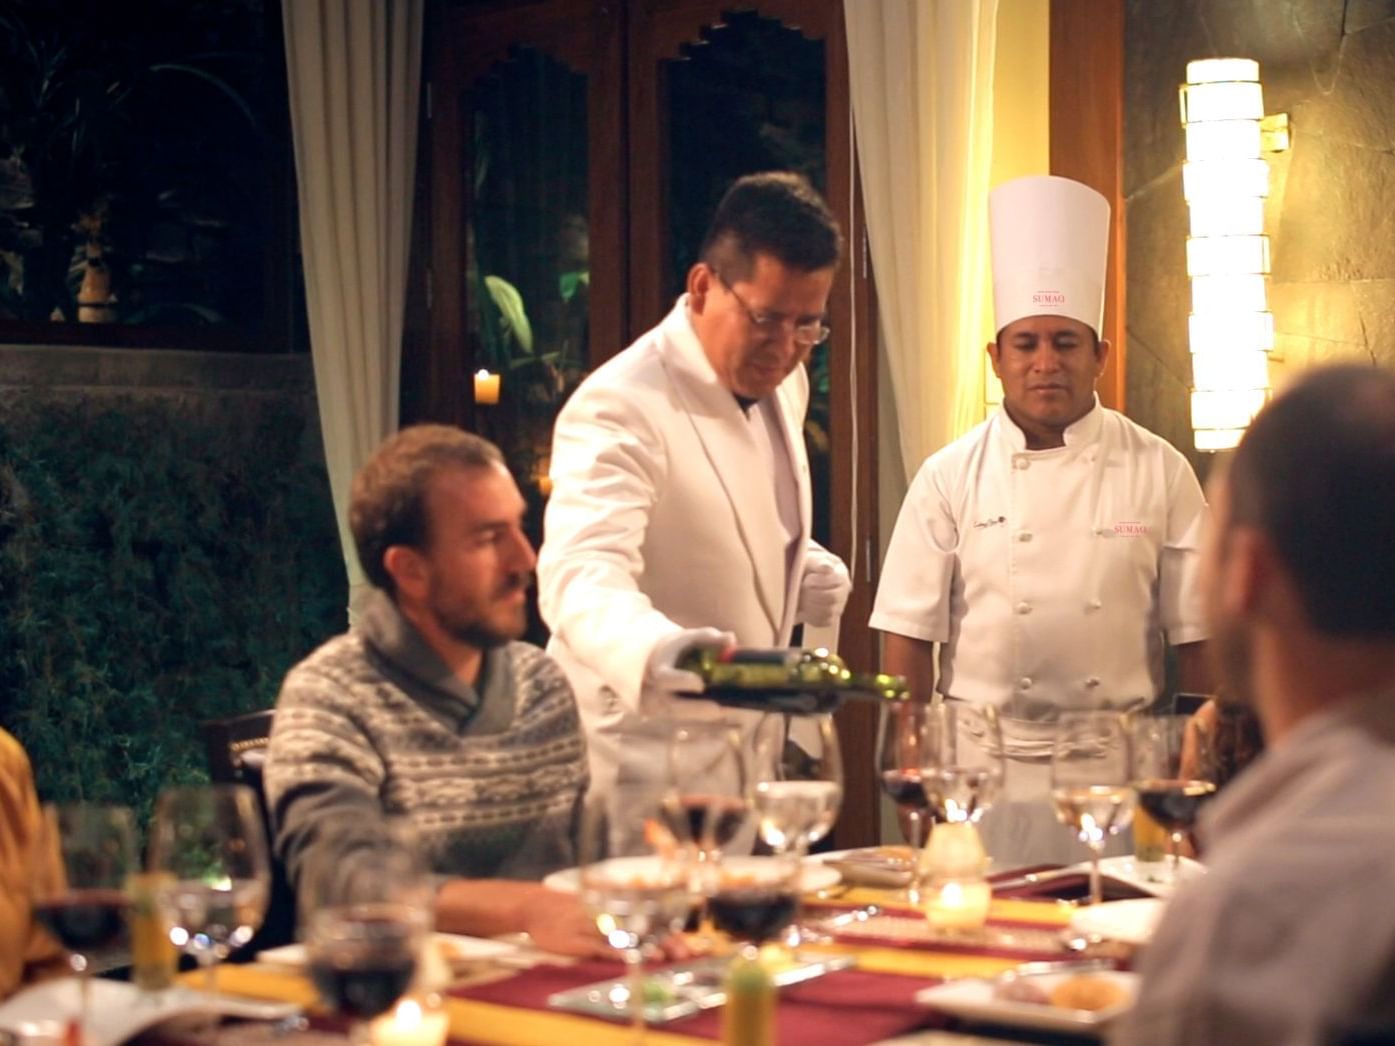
895 953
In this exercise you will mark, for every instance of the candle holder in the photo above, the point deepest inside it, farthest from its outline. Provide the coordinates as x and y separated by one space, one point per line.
956 894
486 388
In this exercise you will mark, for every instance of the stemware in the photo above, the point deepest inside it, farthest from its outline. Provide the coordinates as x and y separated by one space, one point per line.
208 847
1090 775
366 917
83 856
899 767
639 886
1174 772
798 788
961 761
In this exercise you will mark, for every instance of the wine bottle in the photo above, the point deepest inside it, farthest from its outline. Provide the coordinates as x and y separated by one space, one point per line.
802 682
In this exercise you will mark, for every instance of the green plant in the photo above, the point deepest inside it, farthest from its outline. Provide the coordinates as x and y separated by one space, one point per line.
156 570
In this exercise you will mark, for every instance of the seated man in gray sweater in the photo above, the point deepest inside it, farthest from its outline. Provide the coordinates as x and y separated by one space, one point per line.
430 709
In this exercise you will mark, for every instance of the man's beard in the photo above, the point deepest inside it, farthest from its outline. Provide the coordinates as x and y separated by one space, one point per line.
473 627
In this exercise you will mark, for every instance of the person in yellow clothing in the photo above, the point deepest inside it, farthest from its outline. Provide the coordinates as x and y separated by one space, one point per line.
27 952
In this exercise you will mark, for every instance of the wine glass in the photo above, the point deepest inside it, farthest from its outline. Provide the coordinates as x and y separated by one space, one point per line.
208 845
899 767
1090 775
637 880
366 916
798 787
83 855
708 801
962 760
1174 772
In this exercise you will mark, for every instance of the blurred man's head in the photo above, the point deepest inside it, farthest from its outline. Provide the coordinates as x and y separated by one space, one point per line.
759 293
1304 520
437 523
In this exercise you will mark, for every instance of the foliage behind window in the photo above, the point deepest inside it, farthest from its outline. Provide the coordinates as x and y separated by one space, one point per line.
140 145
156 570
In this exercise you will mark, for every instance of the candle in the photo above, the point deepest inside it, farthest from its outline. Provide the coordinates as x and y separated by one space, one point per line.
409 1024
958 904
486 387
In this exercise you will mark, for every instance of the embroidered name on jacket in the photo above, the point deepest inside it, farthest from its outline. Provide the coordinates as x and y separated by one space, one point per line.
1131 528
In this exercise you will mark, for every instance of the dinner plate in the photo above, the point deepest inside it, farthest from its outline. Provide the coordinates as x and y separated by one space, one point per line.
1131 922
976 999
453 947
813 875
119 1010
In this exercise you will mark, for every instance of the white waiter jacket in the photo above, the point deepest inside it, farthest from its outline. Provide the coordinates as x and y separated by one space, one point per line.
660 519
1050 577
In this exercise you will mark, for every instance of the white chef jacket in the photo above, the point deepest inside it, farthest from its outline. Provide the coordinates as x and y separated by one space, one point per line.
1049 577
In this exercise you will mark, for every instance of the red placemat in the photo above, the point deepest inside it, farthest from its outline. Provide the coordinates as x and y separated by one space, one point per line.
844 1008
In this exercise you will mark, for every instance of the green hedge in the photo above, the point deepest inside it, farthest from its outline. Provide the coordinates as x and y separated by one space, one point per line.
156 569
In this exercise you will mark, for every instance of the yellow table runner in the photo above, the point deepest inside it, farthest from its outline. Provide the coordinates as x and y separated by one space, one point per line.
516 1026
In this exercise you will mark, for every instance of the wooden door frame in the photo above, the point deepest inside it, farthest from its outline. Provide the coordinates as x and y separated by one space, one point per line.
658 29
1087 143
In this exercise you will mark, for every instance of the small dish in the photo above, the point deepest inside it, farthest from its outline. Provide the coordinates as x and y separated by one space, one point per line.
976 999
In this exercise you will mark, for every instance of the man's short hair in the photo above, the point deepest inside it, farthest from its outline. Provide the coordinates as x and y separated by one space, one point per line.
1316 473
776 213
387 502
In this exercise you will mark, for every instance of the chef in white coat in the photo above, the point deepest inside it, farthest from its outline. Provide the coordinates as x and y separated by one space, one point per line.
680 506
1042 560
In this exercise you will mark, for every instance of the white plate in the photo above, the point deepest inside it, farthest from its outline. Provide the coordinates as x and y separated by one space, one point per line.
886 867
1131 922
121 1010
813 875
974 999
1150 877
454 948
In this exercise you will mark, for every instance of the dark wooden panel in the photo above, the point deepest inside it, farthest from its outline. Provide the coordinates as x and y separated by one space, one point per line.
1087 141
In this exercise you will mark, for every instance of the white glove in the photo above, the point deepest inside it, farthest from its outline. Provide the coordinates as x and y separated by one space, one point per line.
660 673
824 588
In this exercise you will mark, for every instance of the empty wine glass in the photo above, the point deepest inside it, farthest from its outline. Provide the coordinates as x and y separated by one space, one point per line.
639 885
1174 772
366 916
962 760
208 842
1090 775
900 763
83 855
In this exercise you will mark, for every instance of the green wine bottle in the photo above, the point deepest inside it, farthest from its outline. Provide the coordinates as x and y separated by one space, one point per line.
802 682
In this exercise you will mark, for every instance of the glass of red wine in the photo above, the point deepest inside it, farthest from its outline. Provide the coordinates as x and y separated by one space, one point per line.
365 919
899 767
83 856
209 849
1174 773
708 798
760 902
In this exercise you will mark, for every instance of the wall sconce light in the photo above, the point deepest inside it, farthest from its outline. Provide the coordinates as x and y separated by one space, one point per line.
1225 181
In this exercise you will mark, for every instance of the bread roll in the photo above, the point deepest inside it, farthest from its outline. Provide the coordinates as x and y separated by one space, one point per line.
1088 992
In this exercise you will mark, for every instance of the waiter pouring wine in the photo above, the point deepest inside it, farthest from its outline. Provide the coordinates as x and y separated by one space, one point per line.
1043 560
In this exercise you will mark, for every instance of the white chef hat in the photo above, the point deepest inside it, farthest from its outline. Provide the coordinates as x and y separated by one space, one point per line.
1050 243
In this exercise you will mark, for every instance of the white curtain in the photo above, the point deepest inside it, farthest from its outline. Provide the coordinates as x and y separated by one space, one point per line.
354 70
922 98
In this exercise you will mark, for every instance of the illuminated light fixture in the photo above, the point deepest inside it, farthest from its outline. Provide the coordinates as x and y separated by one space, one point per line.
1224 181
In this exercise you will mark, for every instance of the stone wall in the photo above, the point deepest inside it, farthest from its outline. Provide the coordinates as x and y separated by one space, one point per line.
1331 214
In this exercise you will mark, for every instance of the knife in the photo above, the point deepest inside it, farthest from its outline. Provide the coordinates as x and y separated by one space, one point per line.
1032 878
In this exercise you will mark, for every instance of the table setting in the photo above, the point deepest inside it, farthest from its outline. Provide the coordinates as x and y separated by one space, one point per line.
880 944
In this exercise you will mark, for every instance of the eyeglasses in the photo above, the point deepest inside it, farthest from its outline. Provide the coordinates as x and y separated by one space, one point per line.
806 334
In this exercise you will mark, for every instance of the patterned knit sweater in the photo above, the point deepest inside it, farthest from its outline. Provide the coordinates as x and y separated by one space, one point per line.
373 724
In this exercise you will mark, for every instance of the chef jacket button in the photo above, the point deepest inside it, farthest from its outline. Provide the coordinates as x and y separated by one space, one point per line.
1094 604
1025 683
1024 608
1093 681
1020 462
1024 535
